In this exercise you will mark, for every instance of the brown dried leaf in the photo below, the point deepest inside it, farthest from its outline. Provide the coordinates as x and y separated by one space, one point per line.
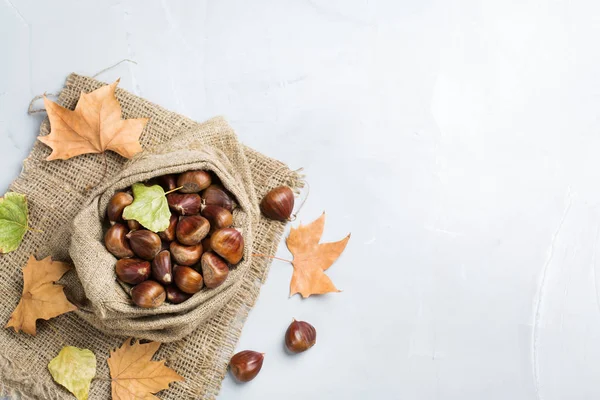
93 127
41 298
134 374
311 259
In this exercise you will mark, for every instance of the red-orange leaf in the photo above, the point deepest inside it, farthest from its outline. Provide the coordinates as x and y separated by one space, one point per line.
93 127
311 259
41 298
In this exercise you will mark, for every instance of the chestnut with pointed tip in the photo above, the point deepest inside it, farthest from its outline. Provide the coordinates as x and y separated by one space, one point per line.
116 242
245 365
184 204
229 244
193 181
300 336
176 296
185 255
117 203
168 235
278 204
192 229
214 270
161 268
145 244
148 294
187 279
132 270
217 195
217 216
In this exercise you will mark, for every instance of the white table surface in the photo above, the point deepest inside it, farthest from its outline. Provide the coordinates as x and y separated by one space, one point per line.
457 140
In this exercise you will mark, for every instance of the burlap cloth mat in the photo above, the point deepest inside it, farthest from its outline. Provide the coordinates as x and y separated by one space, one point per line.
55 191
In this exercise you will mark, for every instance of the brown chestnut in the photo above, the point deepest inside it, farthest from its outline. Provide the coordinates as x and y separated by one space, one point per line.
214 270
116 242
117 203
161 268
229 244
132 270
133 225
300 336
187 279
185 255
278 204
145 244
193 181
191 230
218 217
206 244
148 294
168 235
184 204
217 195
167 182
176 296
245 365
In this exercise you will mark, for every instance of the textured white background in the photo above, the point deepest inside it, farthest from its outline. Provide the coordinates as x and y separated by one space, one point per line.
457 140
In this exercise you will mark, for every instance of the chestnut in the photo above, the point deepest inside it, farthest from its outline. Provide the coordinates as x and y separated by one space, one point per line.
193 181
133 225
176 296
185 255
148 294
217 195
184 204
245 365
300 336
168 235
132 270
187 279
117 203
167 182
217 216
116 242
161 268
229 244
278 204
145 244
214 270
191 230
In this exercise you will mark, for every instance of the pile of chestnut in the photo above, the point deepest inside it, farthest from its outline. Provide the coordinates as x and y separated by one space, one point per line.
195 251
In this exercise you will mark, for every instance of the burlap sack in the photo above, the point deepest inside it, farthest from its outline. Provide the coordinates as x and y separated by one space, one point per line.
58 190
109 307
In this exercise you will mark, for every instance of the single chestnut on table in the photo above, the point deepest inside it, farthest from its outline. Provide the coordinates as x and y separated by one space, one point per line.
300 336
245 365
278 204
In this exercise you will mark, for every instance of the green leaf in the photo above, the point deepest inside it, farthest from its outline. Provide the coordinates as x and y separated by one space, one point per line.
149 207
13 221
74 368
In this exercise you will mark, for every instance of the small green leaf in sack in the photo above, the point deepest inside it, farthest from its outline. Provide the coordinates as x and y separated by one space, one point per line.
149 207
74 369
13 221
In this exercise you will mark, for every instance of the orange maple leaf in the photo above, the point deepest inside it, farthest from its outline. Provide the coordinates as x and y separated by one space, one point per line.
134 374
41 298
311 259
93 127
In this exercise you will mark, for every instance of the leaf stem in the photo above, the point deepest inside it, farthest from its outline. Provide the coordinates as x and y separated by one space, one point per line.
173 190
267 256
34 230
